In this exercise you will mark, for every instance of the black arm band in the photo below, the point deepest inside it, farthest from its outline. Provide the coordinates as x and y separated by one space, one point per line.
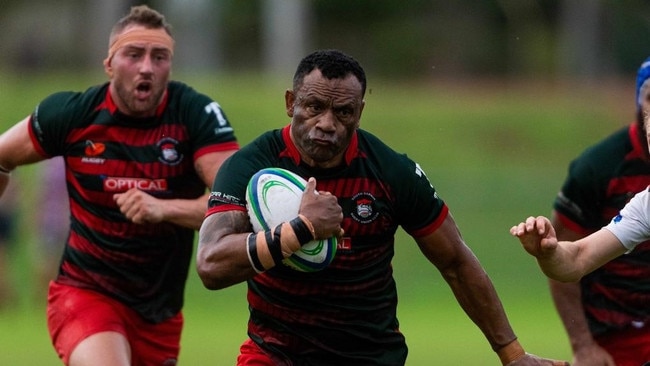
301 230
251 243
273 241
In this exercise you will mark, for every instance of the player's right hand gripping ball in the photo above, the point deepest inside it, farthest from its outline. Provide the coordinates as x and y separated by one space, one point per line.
273 196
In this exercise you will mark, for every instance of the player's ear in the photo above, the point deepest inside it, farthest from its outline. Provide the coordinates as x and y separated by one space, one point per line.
289 100
108 69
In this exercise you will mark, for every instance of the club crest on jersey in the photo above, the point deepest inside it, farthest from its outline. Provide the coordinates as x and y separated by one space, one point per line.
365 211
169 152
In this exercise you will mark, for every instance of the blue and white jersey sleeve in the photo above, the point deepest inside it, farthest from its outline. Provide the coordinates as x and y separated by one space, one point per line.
632 225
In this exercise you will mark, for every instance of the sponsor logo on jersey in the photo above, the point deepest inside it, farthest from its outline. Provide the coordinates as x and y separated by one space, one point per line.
365 212
123 184
92 151
94 148
222 122
169 152
218 197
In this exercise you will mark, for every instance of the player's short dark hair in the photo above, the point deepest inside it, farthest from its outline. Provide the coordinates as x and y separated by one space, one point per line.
144 16
333 64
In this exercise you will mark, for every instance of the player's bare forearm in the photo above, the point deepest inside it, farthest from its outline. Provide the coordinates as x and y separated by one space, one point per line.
187 213
142 208
478 298
476 295
566 261
470 284
221 257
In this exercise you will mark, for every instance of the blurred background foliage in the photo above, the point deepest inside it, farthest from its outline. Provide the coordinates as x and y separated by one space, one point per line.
582 39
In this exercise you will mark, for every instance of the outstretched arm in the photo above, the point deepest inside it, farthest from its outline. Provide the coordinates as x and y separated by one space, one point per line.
475 293
566 261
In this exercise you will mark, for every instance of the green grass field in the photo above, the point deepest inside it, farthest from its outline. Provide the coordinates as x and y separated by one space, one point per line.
496 152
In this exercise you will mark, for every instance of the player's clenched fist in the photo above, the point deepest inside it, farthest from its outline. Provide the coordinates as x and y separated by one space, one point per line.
139 207
537 235
322 209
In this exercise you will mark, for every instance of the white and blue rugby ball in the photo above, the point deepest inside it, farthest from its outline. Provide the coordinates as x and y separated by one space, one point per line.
273 196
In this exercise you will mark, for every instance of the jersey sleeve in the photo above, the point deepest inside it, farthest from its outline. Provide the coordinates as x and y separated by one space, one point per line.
579 198
584 194
207 123
420 208
52 120
632 225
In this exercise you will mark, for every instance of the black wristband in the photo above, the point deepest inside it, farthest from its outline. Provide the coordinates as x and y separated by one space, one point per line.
301 230
273 241
251 244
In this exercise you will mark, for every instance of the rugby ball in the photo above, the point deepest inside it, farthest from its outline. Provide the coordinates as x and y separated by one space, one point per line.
273 196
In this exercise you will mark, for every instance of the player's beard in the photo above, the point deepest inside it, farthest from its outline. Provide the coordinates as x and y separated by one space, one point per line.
137 107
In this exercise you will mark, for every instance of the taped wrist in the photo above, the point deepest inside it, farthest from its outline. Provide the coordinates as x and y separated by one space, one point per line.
269 248
303 229
251 251
263 249
511 352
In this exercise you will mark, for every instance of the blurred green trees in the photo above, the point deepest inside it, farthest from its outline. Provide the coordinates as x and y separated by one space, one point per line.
415 38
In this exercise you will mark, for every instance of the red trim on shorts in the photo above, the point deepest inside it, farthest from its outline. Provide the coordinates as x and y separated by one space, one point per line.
74 314
250 354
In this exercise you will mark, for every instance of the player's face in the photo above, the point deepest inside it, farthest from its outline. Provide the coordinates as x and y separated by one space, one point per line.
325 113
139 73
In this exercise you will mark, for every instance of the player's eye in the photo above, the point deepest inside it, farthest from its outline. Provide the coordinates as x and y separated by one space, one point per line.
344 112
161 56
315 107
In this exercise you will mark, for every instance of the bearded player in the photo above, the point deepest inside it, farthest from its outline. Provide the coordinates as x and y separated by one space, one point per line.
139 152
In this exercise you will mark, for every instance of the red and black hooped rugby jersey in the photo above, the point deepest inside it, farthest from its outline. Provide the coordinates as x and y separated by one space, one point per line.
106 152
345 313
599 183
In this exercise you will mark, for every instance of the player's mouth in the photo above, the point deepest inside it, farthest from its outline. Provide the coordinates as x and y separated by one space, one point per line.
143 90
322 142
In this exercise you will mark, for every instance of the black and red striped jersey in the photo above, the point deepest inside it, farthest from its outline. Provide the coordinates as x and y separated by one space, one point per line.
145 266
347 312
598 185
